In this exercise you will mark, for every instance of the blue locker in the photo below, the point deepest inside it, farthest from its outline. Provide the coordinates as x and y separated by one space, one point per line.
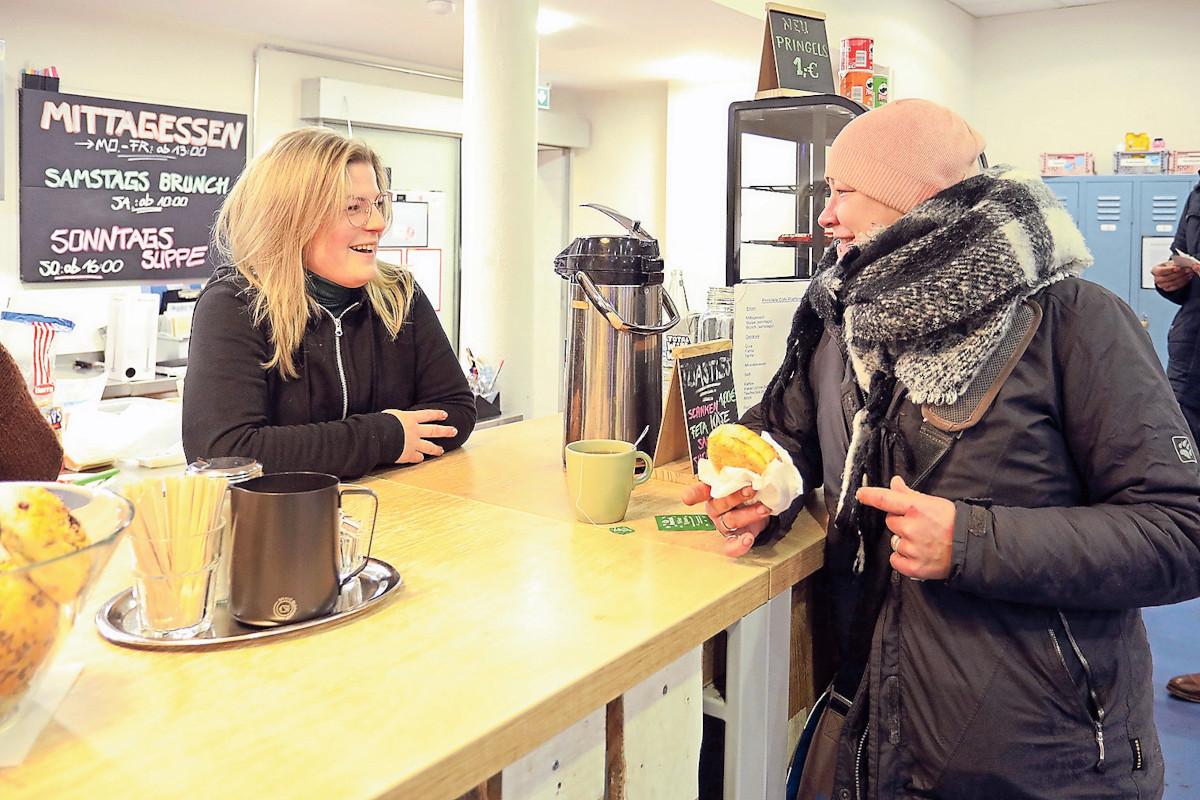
1108 229
1159 202
1115 213
1067 191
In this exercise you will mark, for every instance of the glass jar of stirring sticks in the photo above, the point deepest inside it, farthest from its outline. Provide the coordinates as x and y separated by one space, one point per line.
177 537
234 469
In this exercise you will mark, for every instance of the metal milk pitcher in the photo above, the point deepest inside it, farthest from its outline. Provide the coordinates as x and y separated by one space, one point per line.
617 312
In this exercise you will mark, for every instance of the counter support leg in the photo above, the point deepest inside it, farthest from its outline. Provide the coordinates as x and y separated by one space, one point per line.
756 702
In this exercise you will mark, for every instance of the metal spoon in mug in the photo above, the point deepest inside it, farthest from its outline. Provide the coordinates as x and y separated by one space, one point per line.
641 436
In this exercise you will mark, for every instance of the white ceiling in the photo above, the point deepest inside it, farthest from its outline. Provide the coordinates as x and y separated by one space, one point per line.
994 8
615 42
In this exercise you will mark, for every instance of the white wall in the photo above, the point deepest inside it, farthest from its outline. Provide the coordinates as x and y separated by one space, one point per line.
625 166
1077 79
102 53
697 140
552 197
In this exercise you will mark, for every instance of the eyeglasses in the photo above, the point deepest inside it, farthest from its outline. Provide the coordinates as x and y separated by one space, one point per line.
358 209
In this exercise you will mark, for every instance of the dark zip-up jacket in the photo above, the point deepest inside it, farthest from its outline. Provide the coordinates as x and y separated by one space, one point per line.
1027 674
331 418
1183 347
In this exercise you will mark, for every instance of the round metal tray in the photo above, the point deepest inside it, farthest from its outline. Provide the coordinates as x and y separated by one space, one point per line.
117 619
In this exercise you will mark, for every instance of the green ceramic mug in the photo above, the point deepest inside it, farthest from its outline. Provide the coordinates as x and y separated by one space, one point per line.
600 478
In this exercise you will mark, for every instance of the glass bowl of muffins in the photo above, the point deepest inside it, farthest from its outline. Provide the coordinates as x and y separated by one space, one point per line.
55 540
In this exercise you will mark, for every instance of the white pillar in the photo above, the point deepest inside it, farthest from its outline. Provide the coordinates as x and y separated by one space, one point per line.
499 167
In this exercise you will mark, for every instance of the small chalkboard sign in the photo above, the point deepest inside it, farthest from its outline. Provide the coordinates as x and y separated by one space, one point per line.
795 57
701 397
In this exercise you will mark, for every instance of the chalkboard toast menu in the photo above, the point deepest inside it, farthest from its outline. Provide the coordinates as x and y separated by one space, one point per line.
701 397
118 190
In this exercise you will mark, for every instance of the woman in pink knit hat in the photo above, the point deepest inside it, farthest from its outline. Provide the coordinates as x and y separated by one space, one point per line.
1007 474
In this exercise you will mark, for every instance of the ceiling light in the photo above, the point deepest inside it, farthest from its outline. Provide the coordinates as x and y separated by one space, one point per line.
550 21
440 7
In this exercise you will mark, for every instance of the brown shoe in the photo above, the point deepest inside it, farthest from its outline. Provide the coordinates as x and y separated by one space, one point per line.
1185 687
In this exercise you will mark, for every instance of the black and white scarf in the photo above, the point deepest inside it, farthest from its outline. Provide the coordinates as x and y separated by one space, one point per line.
924 302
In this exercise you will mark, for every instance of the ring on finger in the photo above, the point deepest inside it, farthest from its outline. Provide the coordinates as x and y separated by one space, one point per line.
896 542
725 528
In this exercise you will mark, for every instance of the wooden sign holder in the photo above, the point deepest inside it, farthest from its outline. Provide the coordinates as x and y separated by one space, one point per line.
768 69
672 459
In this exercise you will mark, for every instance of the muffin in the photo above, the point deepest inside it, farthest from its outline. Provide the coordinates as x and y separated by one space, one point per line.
732 445
35 526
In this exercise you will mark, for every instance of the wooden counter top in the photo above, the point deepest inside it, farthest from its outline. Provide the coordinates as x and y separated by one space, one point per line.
519 466
509 627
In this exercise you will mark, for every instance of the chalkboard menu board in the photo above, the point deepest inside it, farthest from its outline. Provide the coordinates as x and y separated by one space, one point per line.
795 52
118 190
701 397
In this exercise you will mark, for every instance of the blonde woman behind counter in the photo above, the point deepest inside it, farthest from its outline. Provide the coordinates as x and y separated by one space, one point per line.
306 353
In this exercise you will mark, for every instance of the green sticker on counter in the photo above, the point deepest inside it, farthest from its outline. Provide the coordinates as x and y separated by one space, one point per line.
621 529
685 522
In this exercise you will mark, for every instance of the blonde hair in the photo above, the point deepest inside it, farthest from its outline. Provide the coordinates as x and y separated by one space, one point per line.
280 202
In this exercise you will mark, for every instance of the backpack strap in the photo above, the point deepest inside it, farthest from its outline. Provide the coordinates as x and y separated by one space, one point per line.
981 392
942 425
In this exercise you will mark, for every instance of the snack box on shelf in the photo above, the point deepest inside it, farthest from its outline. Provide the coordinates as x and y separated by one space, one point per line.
1183 162
1137 142
1068 164
1127 163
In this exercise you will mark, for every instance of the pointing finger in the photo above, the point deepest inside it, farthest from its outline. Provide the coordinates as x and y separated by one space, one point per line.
886 500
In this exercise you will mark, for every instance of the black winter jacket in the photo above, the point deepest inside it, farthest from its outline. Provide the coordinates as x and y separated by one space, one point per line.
1183 340
1027 673
331 418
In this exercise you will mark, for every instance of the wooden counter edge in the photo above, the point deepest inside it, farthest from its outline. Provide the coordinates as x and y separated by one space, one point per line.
475 763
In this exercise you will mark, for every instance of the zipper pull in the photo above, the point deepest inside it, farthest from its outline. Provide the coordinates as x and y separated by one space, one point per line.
1100 746
337 327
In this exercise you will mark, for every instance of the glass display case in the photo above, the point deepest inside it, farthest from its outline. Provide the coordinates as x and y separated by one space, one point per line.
776 183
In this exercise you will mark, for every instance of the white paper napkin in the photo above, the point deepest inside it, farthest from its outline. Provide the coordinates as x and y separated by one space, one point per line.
777 486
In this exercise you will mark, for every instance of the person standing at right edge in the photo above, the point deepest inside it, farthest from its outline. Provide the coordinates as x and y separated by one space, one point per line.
1179 285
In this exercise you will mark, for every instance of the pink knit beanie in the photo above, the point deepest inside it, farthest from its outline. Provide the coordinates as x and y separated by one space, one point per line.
905 152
